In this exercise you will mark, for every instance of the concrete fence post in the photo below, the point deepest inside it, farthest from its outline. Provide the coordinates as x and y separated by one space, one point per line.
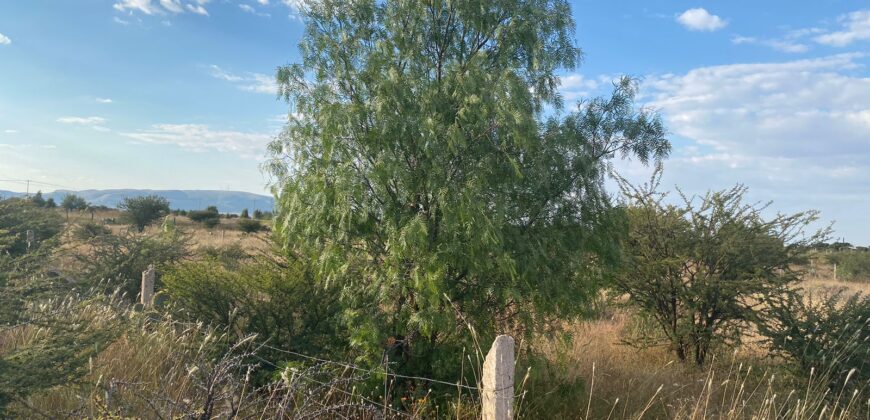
497 396
148 277
31 238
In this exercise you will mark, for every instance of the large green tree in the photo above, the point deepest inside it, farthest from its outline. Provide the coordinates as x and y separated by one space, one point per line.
429 170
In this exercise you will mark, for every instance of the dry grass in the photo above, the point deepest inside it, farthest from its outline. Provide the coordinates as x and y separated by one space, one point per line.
592 376
601 377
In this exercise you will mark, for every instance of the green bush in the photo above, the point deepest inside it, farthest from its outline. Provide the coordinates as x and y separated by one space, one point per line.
117 261
230 256
17 216
699 268
89 230
143 211
208 217
851 265
250 225
828 333
276 301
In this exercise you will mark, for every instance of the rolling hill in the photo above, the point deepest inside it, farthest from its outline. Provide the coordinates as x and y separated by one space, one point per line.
226 201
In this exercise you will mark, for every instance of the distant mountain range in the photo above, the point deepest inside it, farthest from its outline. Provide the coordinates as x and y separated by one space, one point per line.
226 201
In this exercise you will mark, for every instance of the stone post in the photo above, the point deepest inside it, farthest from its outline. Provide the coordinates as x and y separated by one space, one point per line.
497 397
31 238
148 285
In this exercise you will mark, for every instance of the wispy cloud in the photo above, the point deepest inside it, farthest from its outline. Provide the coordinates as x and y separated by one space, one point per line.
198 9
789 126
10 131
576 86
81 120
103 100
4 40
784 45
251 82
173 6
699 19
249 9
160 7
95 123
200 138
855 27
144 6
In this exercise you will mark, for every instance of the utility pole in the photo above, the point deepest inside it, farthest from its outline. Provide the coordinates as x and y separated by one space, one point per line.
27 188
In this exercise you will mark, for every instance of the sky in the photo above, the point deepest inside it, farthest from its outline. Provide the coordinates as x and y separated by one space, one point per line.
179 94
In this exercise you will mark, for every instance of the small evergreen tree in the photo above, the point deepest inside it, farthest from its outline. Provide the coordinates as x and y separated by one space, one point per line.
244 214
38 200
50 203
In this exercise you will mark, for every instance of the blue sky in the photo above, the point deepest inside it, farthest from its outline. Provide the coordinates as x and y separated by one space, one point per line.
179 93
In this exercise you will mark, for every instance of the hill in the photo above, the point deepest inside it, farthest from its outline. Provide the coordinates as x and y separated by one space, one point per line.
226 201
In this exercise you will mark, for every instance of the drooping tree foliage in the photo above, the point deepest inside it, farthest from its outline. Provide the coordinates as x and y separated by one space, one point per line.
704 269
429 170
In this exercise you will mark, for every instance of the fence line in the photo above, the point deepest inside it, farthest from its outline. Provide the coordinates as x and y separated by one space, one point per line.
371 371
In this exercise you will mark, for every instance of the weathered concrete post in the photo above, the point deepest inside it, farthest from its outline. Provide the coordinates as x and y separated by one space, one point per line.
498 380
31 238
148 285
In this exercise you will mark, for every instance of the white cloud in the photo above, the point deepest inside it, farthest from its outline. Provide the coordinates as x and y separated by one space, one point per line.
251 82
248 9
159 7
795 132
803 108
786 45
856 27
198 9
82 120
144 6
173 6
700 19
4 40
200 138
104 100
296 5
121 21
10 131
576 86
263 2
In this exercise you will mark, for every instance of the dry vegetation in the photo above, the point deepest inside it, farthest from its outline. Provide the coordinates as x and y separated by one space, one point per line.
156 367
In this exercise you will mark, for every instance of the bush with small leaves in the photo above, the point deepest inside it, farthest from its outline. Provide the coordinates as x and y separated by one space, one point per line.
143 211
208 217
827 333
89 230
700 268
250 225
117 261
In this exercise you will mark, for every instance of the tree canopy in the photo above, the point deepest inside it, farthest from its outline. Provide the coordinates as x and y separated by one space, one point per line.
142 211
429 169
702 269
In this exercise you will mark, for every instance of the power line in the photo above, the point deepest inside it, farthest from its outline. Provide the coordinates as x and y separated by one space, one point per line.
31 181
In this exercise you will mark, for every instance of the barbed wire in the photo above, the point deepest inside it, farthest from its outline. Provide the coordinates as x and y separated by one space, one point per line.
350 394
370 371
